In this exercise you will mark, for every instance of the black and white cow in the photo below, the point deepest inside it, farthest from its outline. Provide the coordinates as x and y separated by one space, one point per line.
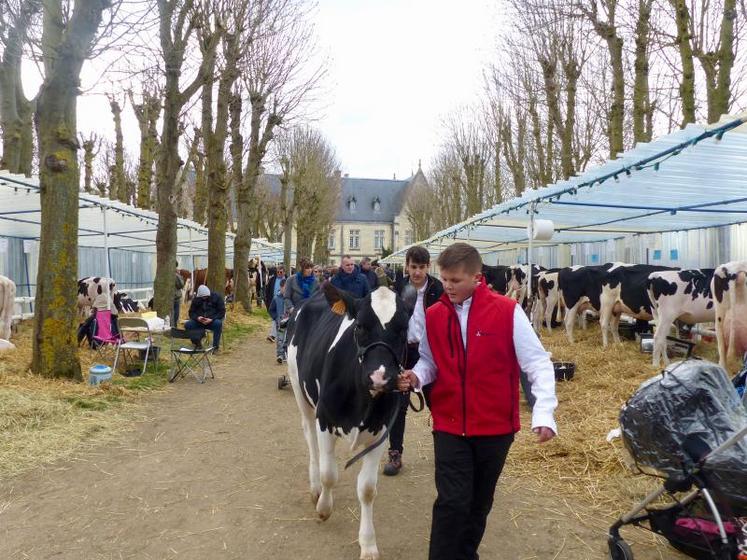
125 304
581 289
343 361
625 290
497 277
729 288
89 288
517 283
548 299
679 295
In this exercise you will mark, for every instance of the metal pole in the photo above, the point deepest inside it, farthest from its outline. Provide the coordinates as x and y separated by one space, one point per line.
107 264
532 209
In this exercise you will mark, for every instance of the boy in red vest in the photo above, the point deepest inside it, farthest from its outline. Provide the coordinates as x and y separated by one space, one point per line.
474 345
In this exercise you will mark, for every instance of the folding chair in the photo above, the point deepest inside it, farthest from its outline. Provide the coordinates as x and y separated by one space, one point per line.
188 357
104 336
137 327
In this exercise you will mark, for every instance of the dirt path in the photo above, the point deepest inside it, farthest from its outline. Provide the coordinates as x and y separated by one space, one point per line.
219 471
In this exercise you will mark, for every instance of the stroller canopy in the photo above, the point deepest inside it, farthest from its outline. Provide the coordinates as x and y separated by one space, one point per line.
680 415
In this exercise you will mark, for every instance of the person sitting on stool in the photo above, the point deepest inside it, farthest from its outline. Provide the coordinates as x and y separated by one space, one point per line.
207 312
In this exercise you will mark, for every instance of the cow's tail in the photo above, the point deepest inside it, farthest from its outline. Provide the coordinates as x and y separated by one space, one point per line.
652 299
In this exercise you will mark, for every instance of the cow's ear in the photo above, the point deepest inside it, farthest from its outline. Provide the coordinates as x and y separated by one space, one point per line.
339 301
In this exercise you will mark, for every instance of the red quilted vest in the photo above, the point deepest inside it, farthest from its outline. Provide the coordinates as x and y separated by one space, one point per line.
476 393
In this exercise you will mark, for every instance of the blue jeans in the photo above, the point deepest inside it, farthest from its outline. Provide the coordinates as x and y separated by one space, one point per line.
216 327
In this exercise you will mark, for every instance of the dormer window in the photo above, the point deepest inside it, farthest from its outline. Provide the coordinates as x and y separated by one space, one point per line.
351 203
377 204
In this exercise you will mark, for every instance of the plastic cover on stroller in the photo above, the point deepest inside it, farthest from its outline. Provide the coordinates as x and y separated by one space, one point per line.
691 406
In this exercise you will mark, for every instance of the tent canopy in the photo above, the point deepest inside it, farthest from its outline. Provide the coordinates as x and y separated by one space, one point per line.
690 179
108 223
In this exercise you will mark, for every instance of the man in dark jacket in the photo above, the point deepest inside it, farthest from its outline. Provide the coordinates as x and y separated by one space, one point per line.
417 262
350 280
272 288
207 312
370 274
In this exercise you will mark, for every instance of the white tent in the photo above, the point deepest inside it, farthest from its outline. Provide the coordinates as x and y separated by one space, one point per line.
107 223
690 179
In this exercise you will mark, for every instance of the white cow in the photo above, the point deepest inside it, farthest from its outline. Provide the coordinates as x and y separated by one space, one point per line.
92 286
7 304
729 288
683 295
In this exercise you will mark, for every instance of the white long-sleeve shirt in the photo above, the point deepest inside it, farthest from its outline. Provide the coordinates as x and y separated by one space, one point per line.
532 357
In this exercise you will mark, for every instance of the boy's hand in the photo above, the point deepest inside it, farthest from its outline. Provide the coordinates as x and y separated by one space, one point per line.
543 434
407 380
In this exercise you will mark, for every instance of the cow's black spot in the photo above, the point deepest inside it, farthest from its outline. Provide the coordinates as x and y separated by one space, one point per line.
97 280
720 286
709 305
98 289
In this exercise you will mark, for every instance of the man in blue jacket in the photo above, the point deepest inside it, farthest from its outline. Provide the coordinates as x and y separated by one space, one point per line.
350 279
207 312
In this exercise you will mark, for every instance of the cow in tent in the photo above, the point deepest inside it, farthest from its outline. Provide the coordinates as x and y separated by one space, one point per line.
729 289
7 304
678 295
625 290
344 356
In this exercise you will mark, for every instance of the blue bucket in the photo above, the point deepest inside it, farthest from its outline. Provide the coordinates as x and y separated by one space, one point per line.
99 373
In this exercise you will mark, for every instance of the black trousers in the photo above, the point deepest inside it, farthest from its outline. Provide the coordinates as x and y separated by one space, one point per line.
397 435
467 470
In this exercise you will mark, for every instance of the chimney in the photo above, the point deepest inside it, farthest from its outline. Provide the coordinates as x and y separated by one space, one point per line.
347 175
394 178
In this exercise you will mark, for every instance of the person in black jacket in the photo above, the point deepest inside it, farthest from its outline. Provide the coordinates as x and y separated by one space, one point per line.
207 312
370 274
417 262
350 279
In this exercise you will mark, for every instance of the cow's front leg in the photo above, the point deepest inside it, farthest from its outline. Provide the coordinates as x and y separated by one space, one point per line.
328 472
309 431
367 479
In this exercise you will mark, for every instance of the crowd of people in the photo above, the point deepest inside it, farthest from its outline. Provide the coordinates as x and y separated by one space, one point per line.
283 293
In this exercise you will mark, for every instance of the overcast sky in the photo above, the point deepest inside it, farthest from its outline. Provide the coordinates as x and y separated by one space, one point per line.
396 67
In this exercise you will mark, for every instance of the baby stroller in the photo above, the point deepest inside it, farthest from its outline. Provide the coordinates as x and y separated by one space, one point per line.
689 426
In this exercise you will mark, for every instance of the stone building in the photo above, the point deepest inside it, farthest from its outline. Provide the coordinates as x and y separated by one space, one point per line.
371 216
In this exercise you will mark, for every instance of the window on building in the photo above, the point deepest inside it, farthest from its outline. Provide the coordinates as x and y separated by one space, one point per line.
351 203
355 238
377 205
409 238
379 239
331 240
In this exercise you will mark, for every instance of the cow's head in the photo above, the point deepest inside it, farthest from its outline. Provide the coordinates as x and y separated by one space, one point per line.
379 330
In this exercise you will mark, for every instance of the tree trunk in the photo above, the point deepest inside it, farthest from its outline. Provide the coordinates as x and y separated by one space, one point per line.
286 212
65 44
89 146
147 114
687 83
15 110
717 65
218 192
241 282
202 188
642 109
119 183
259 138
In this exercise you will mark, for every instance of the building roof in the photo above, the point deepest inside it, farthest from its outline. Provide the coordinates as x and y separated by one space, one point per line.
389 193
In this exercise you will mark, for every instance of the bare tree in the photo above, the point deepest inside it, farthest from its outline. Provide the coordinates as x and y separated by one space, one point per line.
91 145
279 79
16 17
66 42
147 113
177 22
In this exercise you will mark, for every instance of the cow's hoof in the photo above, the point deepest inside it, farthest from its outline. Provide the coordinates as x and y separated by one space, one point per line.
324 515
370 555
314 497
